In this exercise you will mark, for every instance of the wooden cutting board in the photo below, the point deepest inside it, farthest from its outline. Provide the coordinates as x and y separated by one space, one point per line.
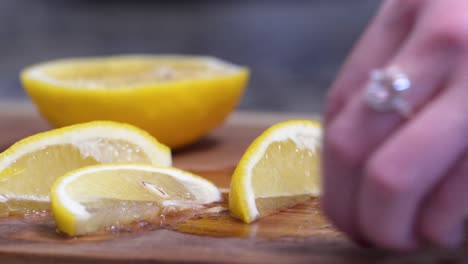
298 235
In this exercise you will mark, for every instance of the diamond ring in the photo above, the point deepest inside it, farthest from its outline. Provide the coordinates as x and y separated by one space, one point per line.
385 91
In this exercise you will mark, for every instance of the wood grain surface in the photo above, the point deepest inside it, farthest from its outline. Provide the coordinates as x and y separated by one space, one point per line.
311 239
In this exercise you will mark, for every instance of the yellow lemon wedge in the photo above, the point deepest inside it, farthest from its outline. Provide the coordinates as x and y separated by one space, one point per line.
29 167
94 198
281 168
178 99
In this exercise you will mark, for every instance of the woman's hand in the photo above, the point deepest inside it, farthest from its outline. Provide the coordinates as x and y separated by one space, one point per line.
394 182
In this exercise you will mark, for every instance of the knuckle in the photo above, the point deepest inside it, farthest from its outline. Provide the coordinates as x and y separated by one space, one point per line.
450 34
339 147
387 178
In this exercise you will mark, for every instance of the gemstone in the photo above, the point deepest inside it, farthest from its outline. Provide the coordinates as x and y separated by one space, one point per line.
385 88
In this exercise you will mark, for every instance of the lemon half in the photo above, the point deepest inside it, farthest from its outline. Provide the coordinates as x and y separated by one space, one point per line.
177 99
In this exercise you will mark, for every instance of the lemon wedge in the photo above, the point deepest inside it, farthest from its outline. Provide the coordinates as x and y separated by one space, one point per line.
177 99
90 199
278 170
29 167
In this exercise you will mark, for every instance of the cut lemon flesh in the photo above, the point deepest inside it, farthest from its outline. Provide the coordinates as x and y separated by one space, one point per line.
279 169
177 99
123 72
29 167
94 198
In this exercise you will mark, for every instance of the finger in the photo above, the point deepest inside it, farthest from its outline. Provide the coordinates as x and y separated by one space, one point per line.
339 189
378 44
358 130
409 165
444 212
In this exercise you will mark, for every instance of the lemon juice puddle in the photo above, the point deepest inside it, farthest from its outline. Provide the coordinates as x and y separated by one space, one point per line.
303 220
214 220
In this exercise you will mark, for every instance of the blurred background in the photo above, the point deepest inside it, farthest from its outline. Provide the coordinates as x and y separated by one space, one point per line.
294 48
